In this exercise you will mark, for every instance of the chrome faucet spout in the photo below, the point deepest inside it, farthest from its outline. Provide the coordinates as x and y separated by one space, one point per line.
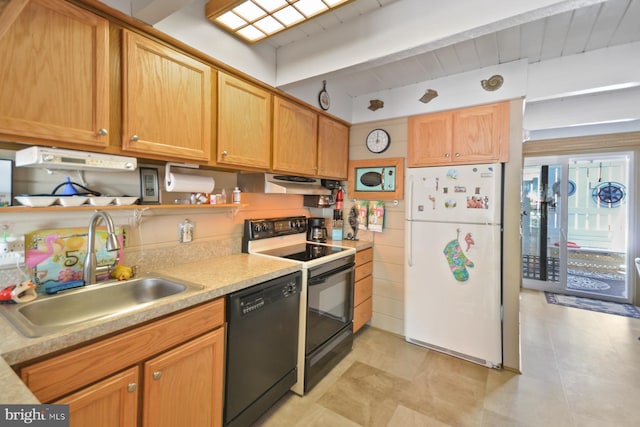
90 262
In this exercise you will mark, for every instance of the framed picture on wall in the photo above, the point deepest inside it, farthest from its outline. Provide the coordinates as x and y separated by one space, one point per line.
377 179
149 186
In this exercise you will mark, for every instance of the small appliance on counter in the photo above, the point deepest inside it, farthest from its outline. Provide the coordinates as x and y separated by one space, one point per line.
318 201
316 230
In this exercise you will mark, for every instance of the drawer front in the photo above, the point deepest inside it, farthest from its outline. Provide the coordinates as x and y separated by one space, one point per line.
363 271
363 289
365 255
71 371
362 314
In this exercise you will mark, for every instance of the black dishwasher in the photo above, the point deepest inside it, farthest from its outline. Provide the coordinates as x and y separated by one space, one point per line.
262 347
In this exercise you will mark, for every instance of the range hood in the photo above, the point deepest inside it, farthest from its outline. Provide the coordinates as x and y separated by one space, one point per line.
270 183
56 158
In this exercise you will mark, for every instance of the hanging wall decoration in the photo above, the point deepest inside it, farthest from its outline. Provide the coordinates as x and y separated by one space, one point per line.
375 104
428 96
492 83
323 97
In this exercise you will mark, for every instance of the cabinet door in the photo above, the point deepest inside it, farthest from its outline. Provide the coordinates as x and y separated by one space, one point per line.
166 101
430 140
112 402
244 124
54 74
480 134
333 149
295 139
183 387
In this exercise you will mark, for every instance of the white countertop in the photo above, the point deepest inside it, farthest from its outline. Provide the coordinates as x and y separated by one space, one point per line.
218 276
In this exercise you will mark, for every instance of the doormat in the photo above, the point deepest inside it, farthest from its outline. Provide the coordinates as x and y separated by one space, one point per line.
616 308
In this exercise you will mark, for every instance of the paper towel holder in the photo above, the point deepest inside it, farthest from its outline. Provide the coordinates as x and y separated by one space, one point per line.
167 171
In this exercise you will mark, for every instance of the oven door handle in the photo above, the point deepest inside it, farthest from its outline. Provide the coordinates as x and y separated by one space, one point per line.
321 278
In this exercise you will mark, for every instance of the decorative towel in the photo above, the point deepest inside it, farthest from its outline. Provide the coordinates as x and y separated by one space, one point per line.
363 208
376 215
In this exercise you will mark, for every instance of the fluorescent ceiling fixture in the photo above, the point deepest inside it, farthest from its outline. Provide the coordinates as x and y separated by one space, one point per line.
289 16
311 7
231 20
271 5
254 20
269 25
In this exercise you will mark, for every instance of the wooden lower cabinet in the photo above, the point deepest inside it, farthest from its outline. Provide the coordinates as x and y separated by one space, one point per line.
183 387
166 373
363 289
112 402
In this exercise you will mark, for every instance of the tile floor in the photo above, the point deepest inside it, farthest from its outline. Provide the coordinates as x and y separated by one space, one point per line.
579 368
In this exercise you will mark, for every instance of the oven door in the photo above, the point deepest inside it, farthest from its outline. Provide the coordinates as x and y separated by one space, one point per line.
329 301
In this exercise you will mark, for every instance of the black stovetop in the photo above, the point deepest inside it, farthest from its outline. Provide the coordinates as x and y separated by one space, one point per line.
303 251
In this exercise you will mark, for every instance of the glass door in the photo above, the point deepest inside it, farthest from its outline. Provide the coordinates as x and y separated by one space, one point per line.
575 221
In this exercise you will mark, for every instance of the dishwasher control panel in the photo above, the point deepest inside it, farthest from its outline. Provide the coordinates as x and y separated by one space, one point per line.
268 295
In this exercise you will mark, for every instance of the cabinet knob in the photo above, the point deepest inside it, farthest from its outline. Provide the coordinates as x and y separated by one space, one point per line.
103 132
134 138
457 154
224 153
132 387
157 375
446 155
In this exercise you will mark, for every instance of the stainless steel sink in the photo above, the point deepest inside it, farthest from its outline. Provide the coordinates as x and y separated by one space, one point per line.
52 313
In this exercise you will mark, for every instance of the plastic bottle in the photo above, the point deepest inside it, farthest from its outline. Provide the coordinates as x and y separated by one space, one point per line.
236 195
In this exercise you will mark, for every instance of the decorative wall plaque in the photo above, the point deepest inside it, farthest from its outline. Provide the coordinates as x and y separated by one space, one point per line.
493 83
375 104
428 95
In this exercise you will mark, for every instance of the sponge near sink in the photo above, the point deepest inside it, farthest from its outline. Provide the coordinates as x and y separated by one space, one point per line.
122 272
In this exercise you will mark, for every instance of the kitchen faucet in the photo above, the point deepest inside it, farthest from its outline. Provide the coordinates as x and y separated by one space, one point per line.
90 262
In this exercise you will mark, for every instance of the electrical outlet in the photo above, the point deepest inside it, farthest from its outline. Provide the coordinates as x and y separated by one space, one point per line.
10 251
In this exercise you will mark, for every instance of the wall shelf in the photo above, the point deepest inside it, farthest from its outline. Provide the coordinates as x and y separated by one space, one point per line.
16 209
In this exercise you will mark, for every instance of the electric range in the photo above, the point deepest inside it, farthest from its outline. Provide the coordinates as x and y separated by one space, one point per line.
325 333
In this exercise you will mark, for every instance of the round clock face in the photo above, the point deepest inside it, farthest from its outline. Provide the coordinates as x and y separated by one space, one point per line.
378 141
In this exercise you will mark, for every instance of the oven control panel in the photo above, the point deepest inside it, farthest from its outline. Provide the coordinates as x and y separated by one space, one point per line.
256 229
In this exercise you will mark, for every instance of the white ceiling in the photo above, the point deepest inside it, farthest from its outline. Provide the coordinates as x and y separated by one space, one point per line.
531 30
595 26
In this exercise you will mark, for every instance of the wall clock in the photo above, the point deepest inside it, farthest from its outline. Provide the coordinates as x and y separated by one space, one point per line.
378 141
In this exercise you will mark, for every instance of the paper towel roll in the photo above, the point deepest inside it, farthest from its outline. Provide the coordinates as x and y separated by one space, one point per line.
189 183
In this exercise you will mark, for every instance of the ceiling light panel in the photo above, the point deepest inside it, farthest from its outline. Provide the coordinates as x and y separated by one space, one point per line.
254 20
271 5
310 7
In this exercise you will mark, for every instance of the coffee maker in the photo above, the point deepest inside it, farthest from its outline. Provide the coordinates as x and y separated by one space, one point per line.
316 231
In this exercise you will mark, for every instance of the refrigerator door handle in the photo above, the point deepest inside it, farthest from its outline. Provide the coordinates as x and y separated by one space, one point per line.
409 245
409 208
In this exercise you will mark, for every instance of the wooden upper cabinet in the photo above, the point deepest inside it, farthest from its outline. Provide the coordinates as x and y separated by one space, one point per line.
54 74
333 149
481 134
430 139
466 136
166 101
295 130
244 124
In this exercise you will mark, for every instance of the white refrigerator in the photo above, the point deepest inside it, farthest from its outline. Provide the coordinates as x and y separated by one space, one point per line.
453 262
